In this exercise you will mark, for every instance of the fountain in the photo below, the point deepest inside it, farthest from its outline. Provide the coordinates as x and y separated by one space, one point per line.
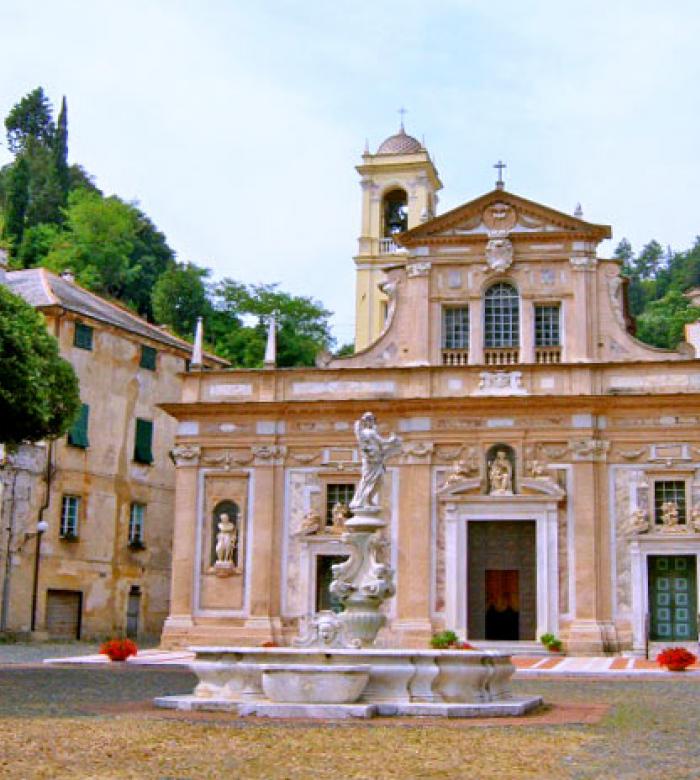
334 668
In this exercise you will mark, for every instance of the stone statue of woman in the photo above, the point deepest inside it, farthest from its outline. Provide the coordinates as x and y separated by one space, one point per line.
375 451
501 475
225 542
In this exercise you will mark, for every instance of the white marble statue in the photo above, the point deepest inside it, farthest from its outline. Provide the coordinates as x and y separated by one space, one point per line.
500 475
375 451
225 543
669 514
339 514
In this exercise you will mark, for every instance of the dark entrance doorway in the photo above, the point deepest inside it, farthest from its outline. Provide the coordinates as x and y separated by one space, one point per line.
324 576
133 609
672 598
501 580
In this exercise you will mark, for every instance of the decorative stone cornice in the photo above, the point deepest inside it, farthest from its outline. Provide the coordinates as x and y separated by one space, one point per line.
185 455
583 262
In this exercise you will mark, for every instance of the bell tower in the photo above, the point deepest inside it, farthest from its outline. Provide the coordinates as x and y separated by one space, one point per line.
399 185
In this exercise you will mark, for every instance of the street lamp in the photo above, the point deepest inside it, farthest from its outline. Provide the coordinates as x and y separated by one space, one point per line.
41 527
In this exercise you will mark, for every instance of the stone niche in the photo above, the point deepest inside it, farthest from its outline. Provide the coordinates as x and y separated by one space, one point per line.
217 592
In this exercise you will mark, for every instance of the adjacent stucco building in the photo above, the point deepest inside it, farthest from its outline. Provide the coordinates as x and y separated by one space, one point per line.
105 491
494 328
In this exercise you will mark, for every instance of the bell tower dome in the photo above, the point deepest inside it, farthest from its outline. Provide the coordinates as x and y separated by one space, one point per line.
399 185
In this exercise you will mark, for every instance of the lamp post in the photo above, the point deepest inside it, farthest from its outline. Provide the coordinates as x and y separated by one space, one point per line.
41 527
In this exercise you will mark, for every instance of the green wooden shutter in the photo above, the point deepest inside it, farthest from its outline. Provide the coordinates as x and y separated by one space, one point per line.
148 358
143 447
78 434
83 336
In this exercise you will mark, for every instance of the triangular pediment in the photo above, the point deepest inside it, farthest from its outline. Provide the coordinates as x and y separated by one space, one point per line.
501 213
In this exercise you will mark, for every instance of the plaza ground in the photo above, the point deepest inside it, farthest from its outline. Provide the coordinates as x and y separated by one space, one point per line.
97 722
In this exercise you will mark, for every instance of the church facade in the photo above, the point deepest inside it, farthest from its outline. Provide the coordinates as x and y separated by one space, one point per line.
549 474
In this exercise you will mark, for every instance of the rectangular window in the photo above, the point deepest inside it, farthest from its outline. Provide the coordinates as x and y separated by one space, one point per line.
70 510
78 434
136 518
148 358
547 331
455 327
669 491
341 493
143 445
82 337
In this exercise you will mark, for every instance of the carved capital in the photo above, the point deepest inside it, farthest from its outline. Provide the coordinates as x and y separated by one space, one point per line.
417 452
595 450
583 262
417 269
185 455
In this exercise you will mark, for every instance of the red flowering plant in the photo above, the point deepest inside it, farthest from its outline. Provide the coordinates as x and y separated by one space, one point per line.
676 658
118 649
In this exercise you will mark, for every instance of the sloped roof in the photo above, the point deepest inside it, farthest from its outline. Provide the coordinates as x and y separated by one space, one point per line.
43 289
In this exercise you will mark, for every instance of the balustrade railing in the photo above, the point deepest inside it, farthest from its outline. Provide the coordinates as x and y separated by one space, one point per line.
548 355
387 246
455 357
501 356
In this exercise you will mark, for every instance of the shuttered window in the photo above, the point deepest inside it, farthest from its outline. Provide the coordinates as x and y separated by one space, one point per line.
78 434
148 358
143 446
83 336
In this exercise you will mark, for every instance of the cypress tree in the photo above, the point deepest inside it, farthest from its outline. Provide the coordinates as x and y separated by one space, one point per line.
60 149
17 200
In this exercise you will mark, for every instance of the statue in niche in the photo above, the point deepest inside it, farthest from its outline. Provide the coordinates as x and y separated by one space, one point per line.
500 475
339 514
669 515
375 451
695 518
638 522
311 523
226 540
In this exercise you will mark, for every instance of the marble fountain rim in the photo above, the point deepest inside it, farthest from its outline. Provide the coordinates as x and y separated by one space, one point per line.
349 651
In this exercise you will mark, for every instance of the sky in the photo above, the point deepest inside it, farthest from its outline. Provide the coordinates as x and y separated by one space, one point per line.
236 125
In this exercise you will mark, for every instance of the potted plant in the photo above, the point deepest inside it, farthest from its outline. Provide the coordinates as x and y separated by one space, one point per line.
118 649
552 644
676 659
448 640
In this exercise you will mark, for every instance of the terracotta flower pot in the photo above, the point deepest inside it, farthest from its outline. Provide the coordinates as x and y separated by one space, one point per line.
677 667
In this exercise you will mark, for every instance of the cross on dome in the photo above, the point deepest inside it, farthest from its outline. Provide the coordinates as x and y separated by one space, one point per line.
500 166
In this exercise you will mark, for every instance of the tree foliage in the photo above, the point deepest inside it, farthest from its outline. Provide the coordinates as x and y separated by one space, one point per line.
39 395
30 122
180 296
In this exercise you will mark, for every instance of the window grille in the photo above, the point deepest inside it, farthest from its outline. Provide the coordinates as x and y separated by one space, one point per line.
455 327
148 358
547 320
143 445
502 316
82 338
342 493
70 509
669 491
136 520
78 434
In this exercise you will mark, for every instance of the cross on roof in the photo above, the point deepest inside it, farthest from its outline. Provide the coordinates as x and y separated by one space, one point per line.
402 112
500 166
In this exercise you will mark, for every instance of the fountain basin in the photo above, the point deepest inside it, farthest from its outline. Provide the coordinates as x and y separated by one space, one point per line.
314 683
402 681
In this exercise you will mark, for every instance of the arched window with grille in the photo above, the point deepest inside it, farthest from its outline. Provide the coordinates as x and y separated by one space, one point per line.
501 324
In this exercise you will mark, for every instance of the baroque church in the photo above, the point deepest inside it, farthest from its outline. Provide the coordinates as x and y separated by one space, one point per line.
549 475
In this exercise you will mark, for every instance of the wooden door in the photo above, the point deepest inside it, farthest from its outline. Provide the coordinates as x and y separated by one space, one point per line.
673 598
63 613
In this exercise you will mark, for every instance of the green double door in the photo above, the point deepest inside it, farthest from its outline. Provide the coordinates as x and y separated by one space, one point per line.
672 598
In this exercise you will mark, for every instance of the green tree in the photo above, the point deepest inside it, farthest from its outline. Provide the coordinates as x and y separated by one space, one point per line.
39 395
662 322
60 150
180 296
30 122
303 327
97 242
16 201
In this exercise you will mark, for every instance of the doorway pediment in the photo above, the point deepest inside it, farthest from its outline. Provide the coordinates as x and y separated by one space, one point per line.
530 487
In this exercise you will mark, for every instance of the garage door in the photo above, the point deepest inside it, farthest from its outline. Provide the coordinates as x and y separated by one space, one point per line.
63 608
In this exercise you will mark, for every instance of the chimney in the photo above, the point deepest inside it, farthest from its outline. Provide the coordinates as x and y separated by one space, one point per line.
68 276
